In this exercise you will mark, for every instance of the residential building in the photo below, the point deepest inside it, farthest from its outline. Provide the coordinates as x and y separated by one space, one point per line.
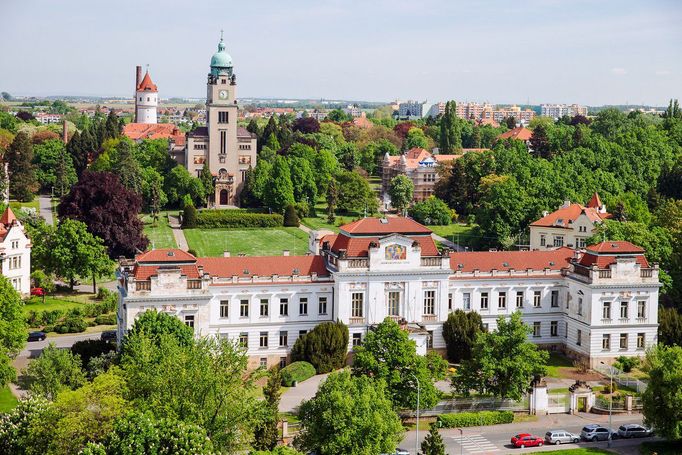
556 111
391 268
521 116
15 252
176 138
228 150
520 133
48 119
353 110
414 110
571 225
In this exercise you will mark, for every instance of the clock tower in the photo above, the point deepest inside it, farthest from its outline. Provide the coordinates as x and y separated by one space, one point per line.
225 148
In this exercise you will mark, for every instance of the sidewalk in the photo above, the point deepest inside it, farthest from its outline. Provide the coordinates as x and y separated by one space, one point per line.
179 236
45 204
292 397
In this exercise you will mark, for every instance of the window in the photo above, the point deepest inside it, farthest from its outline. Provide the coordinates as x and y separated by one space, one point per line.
502 300
606 342
640 341
519 299
537 297
189 320
623 341
429 302
284 307
624 310
393 303
579 337
580 242
263 340
357 304
264 307
244 339
555 299
543 240
606 311
641 309
449 302
223 142
429 339
536 328
303 306
15 244
559 241
484 300
466 298
263 362
222 117
224 308
244 308
282 362
580 306
322 305
357 339
554 328
301 333
283 338
15 262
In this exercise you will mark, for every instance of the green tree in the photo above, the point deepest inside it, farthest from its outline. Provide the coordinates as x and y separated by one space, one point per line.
207 181
450 138
348 156
112 130
303 181
127 168
279 450
13 331
349 416
155 324
153 196
266 433
338 116
290 216
78 153
433 442
503 361
503 208
54 167
332 200
22 178
431 211
416 138
325 165
460 331
539 142
662 398
26 430
280 190
669 327
324 347
401 190
54 371
388 354
355 194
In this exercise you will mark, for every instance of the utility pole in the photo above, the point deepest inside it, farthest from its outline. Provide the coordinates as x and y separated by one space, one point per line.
416 442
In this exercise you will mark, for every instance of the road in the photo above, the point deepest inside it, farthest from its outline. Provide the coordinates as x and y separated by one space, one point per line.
45 204
496 439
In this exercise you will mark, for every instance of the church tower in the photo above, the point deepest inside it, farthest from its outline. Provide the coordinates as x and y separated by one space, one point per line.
146 100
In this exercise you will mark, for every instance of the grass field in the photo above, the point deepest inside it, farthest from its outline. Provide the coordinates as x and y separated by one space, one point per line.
556 363
53 303
253 242
584 451
452 231
7 400
161 235
34 204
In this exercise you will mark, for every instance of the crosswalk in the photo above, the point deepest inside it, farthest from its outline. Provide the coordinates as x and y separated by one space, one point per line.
475 443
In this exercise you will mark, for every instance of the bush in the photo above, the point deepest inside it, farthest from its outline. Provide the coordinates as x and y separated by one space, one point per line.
103 293
71 324
432 211
106 319
232 218
50 317
192 251
609 389
89 349
626 363
48 328
325 347
473 419
33 319
189 216
42 280
290 216
298 372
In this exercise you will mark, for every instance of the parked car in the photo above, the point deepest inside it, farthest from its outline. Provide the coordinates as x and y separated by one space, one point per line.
561 437
632 430
594 432
108 335
524 440
38 292
400 451
36 336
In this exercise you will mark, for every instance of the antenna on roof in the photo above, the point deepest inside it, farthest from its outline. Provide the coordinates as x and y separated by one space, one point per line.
221 34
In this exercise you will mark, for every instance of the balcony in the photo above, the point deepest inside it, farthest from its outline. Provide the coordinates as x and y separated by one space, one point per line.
604 273
646 273
431 262
358 263
356 321
429 318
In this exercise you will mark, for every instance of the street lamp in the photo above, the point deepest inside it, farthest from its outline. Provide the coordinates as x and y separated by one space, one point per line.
416 443
461 441
610 402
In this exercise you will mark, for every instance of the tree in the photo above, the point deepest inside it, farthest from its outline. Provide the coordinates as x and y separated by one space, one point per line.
539 142
433 442
510 122
401 190
154 325
460 332
266 434
355 194
306 125
126 167
209 185
26 430
152 193
112 130
13 331
78 153
324 347
349 416
388 354
303 181
338 116
109 210
290 216
280 191
450 130
54 371
669 327
503 207
431 211
503 362
662 398
180 184
416 138
22 178
332 200
348 156
54 167
279 450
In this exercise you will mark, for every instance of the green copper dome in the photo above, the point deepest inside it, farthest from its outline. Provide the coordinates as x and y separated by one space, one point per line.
221 62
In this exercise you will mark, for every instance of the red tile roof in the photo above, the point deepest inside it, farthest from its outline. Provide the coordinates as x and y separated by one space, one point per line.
8 217
521 133
389 225
147 85
560 218
486 261
263 266
143 272
359 246
165 255
139 131
616 247
595 201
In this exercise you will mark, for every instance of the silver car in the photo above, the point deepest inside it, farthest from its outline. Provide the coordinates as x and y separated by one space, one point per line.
561 437
594 432
634 431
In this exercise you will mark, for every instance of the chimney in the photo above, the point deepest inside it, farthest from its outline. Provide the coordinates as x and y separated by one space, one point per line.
65 132
567 204
138 79
285 253
226 254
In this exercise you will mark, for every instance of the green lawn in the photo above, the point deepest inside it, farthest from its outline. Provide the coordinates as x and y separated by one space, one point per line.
253 242
584 451
161 235
34 204
54 303
558 362
320 222
458 233
7 400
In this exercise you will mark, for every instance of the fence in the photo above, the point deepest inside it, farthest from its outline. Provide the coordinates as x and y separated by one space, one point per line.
476 404
623 379
558 403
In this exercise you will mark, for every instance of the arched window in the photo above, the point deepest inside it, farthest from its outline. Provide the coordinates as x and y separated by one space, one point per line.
223 197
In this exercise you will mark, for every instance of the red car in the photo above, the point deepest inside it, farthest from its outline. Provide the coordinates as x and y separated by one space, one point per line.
527 440
38 291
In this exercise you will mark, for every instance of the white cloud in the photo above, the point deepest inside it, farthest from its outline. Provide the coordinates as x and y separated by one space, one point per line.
619 71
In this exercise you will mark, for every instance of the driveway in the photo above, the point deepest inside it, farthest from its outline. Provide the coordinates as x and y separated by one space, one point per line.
291 399
45 204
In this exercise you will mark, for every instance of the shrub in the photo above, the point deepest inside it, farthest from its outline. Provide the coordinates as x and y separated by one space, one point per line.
48 328
189 216
106 319
50 317
290 216
33 319
192 251
324 347
42 280
232 218
303 209
626 363
609 389
89 349
471 419
298 372
103 293
71 324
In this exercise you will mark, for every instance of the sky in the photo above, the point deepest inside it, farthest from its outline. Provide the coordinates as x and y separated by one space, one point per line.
591 52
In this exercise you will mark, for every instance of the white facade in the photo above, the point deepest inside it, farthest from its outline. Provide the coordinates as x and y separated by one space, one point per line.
15 253
147 103
557 111
401 277
571 225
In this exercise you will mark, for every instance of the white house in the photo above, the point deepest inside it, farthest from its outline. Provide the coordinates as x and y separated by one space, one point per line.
15 252
378 268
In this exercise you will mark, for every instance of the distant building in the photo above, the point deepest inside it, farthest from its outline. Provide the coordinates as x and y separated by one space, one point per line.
353 110
414 110
146 99
521 116
15 253
317 114
48 119
557 111
571 225
520 133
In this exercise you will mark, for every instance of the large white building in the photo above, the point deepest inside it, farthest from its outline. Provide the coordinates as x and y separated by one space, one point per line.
15 253
595 305
557 111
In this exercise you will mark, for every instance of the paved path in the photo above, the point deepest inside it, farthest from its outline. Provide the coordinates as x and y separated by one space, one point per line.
292 397
447 242
179 236
45 203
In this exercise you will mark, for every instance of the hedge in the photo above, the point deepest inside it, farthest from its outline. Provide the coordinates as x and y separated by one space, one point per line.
474 419
297 371
72 324
237 219
106 319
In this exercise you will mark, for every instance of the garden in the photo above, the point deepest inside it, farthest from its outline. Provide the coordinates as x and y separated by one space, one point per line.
160 234
253 242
